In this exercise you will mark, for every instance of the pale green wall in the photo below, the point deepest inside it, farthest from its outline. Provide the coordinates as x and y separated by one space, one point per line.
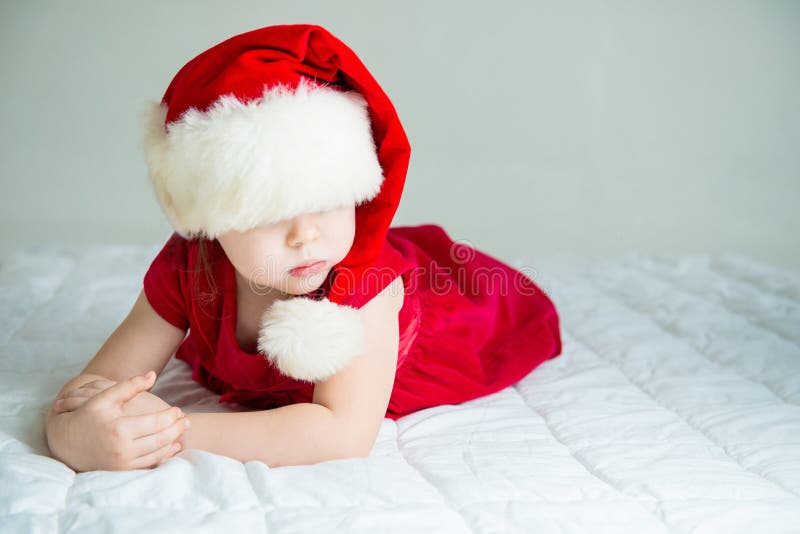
537 127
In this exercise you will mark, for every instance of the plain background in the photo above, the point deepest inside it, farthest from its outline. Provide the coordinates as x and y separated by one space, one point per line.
538 129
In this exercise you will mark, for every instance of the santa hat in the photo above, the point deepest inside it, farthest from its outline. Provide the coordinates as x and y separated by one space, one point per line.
270 124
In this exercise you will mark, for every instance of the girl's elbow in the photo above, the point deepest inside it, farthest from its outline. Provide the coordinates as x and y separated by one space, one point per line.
361 449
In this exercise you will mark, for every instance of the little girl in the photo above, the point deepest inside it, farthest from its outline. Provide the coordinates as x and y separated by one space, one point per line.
280 163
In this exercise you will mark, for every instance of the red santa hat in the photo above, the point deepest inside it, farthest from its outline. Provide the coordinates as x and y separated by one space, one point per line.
270 124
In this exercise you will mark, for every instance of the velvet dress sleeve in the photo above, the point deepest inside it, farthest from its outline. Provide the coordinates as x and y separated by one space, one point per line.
166 282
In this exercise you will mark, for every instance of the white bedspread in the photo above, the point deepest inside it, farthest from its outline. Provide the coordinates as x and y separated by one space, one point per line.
673 408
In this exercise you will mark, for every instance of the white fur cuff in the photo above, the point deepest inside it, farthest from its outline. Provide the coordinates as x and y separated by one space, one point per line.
236 166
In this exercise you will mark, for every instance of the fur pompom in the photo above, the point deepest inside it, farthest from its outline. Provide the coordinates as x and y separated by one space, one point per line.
309 339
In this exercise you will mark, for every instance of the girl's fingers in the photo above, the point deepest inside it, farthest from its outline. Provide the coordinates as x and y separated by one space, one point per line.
146 444
68 404
139 426
173 450
127 389
81 392
85 390
99 384
154 458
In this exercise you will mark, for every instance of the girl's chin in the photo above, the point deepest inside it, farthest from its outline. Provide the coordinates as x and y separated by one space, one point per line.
293 287
305 284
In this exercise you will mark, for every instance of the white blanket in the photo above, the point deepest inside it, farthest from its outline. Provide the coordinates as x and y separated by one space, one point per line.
673 408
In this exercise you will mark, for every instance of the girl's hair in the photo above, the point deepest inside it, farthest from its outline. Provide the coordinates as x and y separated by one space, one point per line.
204 266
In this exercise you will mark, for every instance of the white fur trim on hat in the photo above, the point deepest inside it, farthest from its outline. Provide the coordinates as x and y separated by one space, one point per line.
240 165
310 339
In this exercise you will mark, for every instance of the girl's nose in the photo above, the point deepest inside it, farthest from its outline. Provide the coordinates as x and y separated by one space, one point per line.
303 230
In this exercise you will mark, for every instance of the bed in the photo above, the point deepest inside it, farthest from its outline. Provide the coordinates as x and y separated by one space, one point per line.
673 408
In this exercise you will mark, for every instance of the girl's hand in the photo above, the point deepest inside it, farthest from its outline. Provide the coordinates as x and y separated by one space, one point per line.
77 397
144 401
98 435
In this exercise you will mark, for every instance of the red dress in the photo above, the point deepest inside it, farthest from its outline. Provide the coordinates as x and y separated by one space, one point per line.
470 325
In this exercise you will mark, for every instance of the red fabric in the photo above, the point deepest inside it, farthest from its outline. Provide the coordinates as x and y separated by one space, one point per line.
470 324
242 65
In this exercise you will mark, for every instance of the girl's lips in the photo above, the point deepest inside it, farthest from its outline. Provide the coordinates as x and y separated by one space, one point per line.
309 269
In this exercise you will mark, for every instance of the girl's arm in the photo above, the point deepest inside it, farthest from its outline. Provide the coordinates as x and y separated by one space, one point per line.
343 419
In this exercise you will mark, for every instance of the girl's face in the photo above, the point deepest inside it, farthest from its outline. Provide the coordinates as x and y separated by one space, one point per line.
265 256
